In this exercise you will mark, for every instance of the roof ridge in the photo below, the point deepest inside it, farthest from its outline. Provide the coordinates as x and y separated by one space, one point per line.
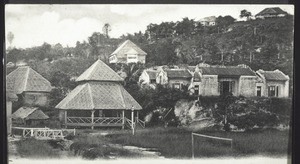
90 93
26 78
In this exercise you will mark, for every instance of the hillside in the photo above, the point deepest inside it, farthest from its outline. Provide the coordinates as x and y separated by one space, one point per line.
261 44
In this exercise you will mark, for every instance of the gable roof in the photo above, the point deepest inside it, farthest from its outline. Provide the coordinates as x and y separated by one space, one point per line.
99 71
29 113
178 73
26 79
271 11
152 74
273 75
208 19
128 47
95 95
227 71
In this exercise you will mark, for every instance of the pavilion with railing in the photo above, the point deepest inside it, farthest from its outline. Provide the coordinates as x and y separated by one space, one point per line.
99 100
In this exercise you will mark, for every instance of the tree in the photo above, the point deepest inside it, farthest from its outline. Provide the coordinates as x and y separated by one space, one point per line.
106 28
245 13
10 37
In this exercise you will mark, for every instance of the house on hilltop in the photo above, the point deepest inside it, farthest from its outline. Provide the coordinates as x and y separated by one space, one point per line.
128 52
31 87
99 100
271 13
272 84
208 21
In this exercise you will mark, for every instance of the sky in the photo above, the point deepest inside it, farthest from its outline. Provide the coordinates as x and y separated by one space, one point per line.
32 25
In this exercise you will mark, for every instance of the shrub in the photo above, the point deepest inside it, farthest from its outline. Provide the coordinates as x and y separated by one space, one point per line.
33 148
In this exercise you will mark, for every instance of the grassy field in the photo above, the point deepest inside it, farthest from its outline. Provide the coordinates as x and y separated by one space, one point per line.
170 142
176 143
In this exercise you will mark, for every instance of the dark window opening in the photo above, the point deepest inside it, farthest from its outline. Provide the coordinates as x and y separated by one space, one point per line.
258 92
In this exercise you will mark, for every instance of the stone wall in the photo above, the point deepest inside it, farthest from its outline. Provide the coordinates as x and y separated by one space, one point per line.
209 85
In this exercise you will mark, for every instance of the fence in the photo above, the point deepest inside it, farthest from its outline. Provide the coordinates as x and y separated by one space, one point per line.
207 136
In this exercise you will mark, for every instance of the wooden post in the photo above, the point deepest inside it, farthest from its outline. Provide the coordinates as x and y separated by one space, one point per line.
31 132
92 119
123 119
66 119
193 155
132 120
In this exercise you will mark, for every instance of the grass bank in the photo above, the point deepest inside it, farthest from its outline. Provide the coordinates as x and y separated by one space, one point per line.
176 142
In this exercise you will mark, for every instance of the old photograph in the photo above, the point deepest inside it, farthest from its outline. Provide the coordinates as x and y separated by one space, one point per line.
141 82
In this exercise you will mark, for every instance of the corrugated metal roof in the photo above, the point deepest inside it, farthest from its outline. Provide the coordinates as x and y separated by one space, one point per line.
227 71
29 113
271 11
127 47
99 71
178 73
273 75
99 95
26 79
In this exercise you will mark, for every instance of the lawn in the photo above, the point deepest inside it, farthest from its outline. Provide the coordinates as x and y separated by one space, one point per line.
176 142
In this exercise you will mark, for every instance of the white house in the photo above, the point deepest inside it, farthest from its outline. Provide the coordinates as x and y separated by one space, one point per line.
272 84
128 52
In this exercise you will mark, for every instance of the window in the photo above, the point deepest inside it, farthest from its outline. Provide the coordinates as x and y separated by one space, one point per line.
258 91
131 57
196 90
177 85
271 91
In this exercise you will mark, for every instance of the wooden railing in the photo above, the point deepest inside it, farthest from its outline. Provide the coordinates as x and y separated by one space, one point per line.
108 120
97 120
140 122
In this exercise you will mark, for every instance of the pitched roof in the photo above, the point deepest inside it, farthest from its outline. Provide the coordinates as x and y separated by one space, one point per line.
178 73
99 95
26 79
99 71
128 47
209 19
152 74
29 113
227 71
271 11
273 75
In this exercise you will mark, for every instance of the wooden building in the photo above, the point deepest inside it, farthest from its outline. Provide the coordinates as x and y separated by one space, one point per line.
29 116
31 87
99 100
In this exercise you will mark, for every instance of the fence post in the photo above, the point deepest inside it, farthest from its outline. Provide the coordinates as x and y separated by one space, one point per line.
193 155
31 132
74 131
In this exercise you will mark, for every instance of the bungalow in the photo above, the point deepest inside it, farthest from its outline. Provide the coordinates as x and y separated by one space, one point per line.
208 21
99 100
31 87
271 13
31 116
272 84
218 80
128 52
